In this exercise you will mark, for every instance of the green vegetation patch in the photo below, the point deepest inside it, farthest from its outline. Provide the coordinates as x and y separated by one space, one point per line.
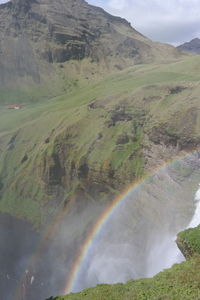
94 136
191 237
181 282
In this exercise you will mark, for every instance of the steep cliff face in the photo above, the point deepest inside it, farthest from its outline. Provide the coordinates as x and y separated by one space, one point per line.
38 36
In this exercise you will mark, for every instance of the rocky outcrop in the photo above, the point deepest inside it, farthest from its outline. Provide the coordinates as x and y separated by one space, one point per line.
188 242
185 248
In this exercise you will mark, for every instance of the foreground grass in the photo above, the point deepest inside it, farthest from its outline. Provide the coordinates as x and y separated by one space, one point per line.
181 282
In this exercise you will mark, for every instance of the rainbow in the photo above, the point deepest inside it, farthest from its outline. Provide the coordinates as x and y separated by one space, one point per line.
103 220
94 233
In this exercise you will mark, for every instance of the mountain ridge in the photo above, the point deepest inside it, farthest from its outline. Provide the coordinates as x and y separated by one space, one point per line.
43 37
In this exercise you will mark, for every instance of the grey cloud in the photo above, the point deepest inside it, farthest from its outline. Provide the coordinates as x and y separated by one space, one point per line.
172 21
173 33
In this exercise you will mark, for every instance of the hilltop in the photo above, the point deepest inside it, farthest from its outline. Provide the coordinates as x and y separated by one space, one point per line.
48 47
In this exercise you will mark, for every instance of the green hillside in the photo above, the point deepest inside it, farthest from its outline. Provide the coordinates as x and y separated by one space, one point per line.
97 138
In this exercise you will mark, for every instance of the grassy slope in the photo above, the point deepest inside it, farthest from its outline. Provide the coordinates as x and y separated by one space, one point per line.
182 281
143 90
179 282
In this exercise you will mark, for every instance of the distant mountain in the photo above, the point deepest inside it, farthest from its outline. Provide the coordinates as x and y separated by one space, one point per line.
37 36
193 46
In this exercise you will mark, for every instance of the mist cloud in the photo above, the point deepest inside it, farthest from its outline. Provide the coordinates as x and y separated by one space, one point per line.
139 240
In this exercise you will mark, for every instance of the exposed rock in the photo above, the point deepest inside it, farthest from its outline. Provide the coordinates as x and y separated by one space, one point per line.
151 98
177 89
11 143
122 139
185 248
99 135
25 158
180 133
1 184
120 116
188 242
53 170
161 135
47 140
83 170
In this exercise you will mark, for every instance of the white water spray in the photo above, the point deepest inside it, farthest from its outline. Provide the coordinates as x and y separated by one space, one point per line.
139 241
169 248
163 256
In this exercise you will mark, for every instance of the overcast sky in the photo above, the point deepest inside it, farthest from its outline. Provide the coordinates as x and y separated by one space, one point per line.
170 21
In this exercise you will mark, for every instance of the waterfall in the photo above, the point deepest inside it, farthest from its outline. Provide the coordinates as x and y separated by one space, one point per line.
168 247
196 218
139 240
